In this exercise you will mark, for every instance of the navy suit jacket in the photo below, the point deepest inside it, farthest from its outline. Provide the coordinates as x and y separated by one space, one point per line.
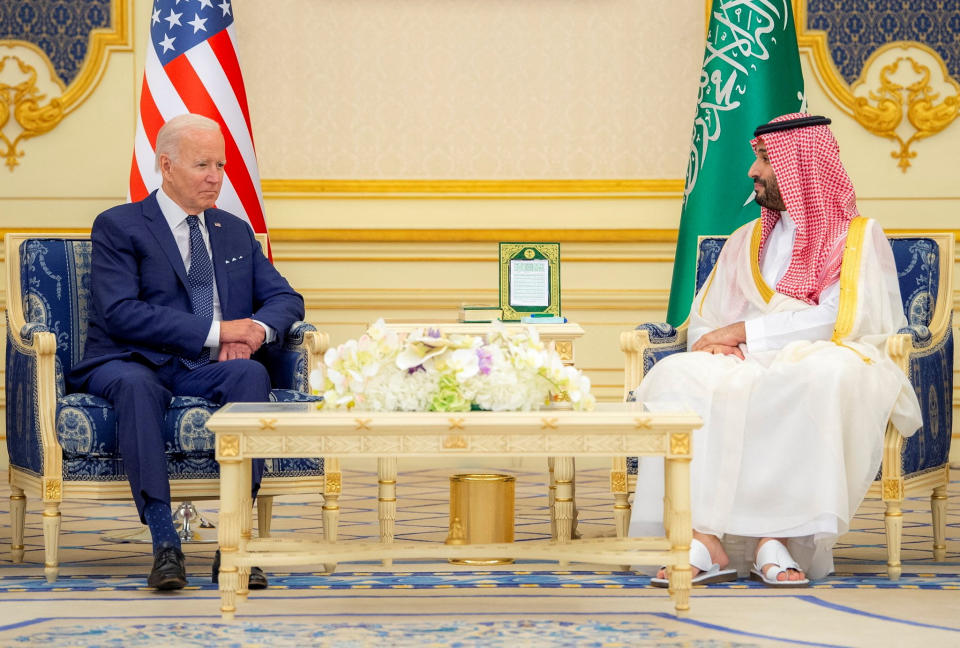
139 291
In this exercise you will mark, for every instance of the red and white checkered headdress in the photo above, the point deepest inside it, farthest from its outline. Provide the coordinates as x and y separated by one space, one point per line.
819 198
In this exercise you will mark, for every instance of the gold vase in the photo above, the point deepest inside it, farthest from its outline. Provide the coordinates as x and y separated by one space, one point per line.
481 512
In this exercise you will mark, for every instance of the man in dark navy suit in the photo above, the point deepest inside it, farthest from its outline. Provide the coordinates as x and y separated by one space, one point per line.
182 297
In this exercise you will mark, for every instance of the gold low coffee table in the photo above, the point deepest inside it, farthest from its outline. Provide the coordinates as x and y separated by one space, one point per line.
246 431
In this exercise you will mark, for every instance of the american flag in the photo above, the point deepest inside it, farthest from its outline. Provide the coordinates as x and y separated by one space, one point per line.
192 67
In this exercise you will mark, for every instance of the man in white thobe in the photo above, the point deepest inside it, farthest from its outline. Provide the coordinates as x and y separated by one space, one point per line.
786 367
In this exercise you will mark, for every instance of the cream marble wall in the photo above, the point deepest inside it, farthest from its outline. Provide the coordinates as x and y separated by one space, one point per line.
502 90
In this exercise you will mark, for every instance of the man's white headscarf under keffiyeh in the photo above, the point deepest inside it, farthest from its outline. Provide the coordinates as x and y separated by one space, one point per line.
820 199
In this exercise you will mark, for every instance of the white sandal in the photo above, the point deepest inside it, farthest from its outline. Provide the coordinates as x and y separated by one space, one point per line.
773 553
710 572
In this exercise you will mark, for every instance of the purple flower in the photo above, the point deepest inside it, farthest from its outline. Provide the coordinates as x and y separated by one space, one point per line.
413 370
485 360
434 333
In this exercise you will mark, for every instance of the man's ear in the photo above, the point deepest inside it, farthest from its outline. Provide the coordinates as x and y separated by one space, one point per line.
165 162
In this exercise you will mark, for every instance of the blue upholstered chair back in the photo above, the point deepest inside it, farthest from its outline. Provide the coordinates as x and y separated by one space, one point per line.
55 284
918 269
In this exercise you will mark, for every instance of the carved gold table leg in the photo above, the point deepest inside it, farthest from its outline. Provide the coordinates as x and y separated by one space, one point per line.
387 500
938 507
18 512
552 496
621 503
563 504
246 528
574 533
228 531
331 503
51 540
264 515
677 509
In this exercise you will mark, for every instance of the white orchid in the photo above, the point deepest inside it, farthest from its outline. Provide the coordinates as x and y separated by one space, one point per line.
383 371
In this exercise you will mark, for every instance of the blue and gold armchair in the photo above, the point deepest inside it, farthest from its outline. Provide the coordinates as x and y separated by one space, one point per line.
64 446
923 350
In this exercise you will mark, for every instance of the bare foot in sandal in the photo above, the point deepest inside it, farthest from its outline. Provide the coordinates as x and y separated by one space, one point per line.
718 556
778 566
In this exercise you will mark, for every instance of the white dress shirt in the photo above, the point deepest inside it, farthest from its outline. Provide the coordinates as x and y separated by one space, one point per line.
776 330
176 219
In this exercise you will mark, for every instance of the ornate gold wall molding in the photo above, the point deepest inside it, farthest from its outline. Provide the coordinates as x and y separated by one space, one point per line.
309 188
39 103
915 84
905 79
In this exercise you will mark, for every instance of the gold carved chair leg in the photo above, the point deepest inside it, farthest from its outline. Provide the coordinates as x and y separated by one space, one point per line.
18 513
893 521
938 508
264 514
331 503
621 504
51 540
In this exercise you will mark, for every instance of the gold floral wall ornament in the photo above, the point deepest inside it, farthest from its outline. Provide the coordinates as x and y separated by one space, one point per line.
905 87
34 98
32 111
903 107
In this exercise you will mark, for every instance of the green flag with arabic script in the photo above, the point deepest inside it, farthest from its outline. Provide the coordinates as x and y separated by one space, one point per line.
751 74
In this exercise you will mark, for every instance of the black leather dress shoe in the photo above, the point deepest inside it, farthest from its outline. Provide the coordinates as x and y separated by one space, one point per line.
168 571
256 581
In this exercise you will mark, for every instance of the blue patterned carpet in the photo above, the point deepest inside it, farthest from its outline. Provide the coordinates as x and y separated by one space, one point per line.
101 598
433 580
493 634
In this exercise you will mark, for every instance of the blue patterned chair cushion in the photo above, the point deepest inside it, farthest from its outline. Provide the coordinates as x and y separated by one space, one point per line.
931 372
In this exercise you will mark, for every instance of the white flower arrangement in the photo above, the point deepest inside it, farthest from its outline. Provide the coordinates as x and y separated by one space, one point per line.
427 371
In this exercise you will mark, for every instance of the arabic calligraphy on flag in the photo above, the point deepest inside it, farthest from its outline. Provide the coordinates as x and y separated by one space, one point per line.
751 74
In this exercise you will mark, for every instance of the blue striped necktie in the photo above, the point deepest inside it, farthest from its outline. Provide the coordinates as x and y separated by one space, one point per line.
200 278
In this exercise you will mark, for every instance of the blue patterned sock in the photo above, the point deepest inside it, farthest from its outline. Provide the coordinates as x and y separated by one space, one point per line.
160 520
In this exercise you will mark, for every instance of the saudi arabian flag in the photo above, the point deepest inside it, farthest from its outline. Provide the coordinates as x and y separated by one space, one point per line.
751 74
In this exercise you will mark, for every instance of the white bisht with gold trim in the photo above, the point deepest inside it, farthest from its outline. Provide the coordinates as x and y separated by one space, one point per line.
792 437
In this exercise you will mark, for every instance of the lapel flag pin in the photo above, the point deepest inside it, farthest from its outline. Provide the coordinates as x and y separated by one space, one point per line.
216 224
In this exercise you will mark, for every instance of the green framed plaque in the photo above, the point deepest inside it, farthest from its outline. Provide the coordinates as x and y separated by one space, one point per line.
529 280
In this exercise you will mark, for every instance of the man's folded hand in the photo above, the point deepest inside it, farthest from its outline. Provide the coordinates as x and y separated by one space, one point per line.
234 351
244 331
728 336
